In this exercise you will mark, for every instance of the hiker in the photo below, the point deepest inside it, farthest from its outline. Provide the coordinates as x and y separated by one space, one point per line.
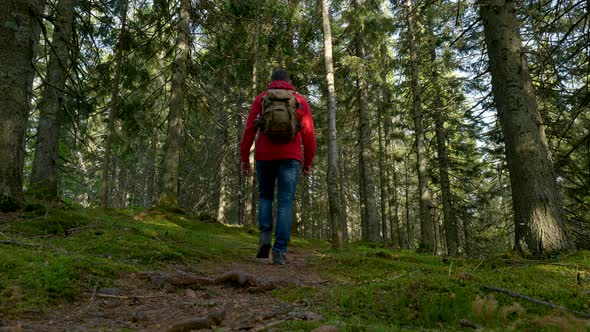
285 122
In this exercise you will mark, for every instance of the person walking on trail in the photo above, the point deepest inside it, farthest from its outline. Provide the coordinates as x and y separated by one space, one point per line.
283 119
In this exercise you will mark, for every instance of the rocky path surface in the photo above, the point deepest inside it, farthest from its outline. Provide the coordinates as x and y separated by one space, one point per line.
230 297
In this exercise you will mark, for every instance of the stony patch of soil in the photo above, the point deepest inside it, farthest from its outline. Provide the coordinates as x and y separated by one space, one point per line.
164 300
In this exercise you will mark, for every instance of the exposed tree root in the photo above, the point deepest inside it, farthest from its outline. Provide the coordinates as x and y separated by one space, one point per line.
237 279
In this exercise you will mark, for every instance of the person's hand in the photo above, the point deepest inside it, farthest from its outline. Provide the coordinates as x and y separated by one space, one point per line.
306 170
246 169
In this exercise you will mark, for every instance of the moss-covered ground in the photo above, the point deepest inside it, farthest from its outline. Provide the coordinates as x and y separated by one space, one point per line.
51 255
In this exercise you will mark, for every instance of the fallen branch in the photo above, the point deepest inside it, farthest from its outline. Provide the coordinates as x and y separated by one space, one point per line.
534 300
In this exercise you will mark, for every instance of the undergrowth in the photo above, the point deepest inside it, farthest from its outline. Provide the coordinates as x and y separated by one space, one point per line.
379 289
48 255
54 254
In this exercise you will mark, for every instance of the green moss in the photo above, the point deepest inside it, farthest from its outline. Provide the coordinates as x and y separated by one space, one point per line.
393 290
58 254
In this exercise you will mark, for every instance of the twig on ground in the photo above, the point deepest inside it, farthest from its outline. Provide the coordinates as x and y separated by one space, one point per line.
534 300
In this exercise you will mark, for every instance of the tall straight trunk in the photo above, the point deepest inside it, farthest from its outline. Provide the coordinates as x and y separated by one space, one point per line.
151 172
170 165
305 220
19 35
241 183
45 171
342 188
538 213
368 199
407 204
83 195
250 209
427 242
393 207
223 197
383 201
449 220
104 201
334 208
389 164
122 185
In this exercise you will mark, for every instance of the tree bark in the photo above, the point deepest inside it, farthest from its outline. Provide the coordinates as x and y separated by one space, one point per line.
449 220
151 172
223 197
170 165
427 242
368 198
333 202
45 172
343 205
250 209
389 163
19 35
407 204
538 213
104 201
383 201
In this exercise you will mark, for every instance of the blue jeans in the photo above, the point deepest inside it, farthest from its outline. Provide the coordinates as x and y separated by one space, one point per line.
286 173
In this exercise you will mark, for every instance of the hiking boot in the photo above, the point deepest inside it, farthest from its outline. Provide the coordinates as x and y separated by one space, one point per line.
279 258
263 251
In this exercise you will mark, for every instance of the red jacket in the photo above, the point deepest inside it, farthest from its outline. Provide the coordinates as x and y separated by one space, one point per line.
265 148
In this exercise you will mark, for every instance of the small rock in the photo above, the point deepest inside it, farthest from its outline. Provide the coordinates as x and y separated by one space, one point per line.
190 293
138 316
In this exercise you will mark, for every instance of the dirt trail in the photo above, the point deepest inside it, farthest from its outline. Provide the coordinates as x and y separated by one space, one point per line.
160 300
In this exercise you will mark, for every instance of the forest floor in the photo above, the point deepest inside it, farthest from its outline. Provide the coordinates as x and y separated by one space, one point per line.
183 299
71 269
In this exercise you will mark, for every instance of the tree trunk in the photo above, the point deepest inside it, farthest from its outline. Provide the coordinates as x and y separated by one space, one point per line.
407 204
390 174
382 178
368 199
250 209
449 220
19 35
223 197
113 111
151 172
334 208
241 183
538 213
343 205
45 171
426 226
170 165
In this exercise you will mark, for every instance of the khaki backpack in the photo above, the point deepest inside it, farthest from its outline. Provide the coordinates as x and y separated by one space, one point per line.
279 119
